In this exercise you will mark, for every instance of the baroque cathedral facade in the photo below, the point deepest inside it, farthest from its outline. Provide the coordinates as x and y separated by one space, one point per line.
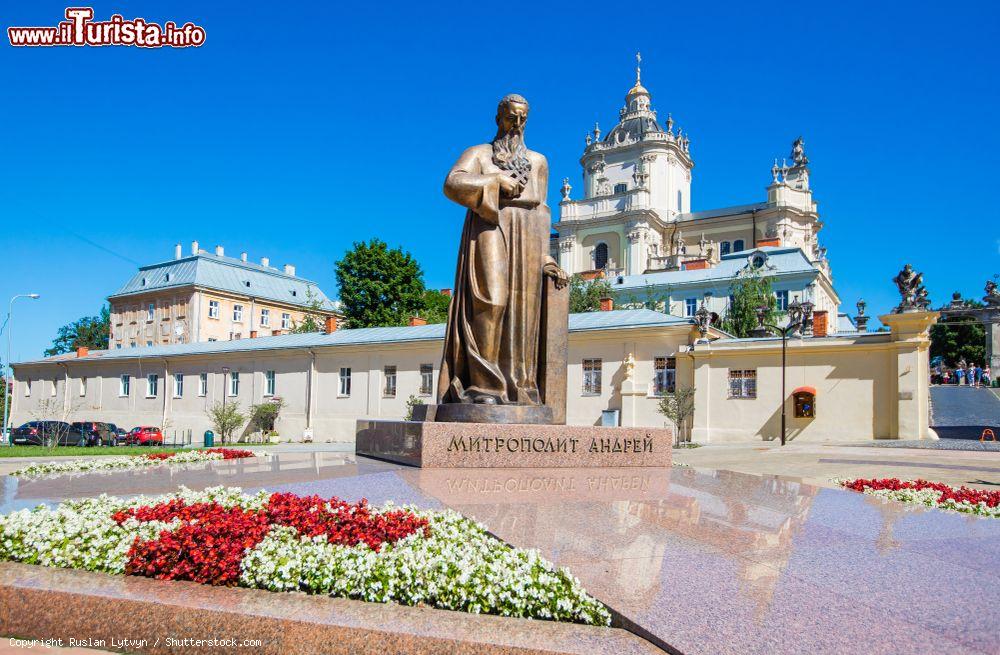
635 226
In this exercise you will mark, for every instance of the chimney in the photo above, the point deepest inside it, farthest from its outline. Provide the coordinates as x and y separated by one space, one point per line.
243 256
194 247
264 261
446 292
330 324
253 334
416 320
276 333
290 270
695 264
764 243
607 304
178 251
819 321
220 251
82 351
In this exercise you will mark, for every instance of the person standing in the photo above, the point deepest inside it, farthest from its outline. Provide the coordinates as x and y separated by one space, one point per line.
987 376
978 374
959 374
970 374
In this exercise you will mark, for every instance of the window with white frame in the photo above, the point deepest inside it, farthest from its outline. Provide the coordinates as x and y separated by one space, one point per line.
742 383
592 377
203 384
150 311
389 373
265 318
178 385
237 313
152 385
234 383
664 375
286 320
268 383
213 309
345 382
782 298
124 385
426 379
690 306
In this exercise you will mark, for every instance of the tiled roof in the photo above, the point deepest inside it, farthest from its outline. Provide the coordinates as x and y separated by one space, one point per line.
785 261
224 274
590 321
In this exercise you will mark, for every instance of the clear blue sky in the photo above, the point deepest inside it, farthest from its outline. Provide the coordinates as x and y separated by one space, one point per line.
298 129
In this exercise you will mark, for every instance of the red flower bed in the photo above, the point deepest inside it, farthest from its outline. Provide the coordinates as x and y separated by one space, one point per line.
211 541
962 494
227 453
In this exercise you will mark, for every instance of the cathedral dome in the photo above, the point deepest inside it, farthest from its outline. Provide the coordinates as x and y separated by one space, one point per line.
637 90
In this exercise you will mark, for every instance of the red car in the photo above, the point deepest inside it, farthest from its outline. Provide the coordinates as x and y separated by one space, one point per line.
145 436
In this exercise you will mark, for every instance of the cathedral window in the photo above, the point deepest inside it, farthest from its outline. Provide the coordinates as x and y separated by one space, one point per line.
782 298
680 200
601 256
690 306
726 247
621 188
738 245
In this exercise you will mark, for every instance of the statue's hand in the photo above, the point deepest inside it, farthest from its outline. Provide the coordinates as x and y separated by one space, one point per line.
508 186
560 277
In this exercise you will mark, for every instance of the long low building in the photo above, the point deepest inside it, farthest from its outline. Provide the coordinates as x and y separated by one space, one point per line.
862 385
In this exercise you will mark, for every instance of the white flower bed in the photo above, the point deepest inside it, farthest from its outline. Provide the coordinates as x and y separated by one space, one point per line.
456 565
115 462
929 497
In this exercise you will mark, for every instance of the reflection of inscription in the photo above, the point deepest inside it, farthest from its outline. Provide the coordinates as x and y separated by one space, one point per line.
566 445
512 484
616 482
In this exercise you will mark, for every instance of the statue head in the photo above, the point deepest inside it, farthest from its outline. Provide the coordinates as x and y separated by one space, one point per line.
509 151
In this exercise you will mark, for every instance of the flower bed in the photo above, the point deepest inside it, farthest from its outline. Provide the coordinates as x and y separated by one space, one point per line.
284 542
133 461
931 494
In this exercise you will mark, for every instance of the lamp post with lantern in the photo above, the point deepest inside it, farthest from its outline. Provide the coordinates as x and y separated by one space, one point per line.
799 320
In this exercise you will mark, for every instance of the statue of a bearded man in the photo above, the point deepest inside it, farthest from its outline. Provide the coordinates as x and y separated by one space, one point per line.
493 339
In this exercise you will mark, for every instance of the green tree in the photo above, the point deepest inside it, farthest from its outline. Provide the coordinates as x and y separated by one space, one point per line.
411 403
226 418
265 415
379 286
87 332
749 291
435 306
585 295
960 337
678 406
314 317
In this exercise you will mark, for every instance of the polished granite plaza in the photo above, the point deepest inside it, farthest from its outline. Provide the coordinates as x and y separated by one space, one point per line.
695 560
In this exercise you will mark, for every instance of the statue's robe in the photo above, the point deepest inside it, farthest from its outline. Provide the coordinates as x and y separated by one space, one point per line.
492 340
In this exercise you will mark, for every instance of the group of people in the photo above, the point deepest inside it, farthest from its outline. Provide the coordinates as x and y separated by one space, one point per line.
968 374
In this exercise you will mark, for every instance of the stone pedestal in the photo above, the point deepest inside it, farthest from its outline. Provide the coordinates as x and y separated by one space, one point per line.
480 445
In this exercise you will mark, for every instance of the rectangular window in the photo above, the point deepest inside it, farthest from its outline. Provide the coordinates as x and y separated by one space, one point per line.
690 306
345 382
268 383
426 379
664 375
203 384
150 311
149 344
237 313
265 318
234 384
27 388
286 321
782 298
124 385
621 188
55 383
83 387
592 377
743 383
178 385
213 309
152 384
389 372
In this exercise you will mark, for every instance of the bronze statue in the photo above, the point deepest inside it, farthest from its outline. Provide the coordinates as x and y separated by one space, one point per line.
493 340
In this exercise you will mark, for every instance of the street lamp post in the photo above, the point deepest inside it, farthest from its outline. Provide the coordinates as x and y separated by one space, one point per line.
8 370
798 319
225 392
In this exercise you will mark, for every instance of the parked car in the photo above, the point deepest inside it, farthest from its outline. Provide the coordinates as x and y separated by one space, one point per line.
121 432
42 433
145 436
92 433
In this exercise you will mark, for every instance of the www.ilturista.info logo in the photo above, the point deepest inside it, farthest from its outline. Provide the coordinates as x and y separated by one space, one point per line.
80 29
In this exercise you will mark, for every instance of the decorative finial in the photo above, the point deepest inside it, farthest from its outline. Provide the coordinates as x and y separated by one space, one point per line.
566 188
597 131
638 67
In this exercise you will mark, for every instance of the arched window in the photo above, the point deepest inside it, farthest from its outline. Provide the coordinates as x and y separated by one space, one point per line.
725 247
738 245
680 200
601 256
